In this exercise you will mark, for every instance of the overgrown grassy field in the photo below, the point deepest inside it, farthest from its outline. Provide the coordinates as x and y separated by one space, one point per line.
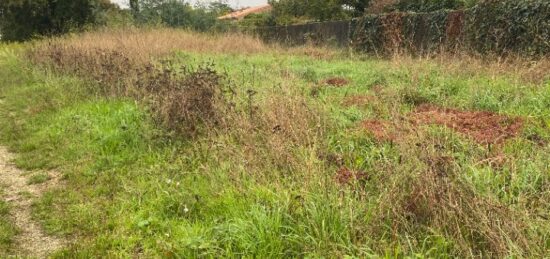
174 144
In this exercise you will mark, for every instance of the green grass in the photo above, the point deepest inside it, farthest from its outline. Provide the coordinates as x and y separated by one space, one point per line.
38 178
133 190
7 227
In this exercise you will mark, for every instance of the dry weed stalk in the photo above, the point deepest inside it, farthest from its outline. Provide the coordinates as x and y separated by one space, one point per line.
429 197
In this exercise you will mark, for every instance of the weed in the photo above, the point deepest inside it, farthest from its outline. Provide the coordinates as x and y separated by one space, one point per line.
38 178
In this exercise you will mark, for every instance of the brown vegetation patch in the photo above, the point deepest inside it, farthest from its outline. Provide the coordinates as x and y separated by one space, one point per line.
183 99
429 195
336 81
346 176
380 130
358 100
482 126
455 26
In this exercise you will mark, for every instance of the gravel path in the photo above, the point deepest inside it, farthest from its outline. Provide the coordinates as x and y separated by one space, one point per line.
31 240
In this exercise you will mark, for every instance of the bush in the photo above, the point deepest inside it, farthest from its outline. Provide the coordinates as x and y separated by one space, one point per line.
183 99
22 20
428 5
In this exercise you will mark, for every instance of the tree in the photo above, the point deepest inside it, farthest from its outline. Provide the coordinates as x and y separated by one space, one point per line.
177 13
23 19
431 5
317 10
358 7
134 6
219 8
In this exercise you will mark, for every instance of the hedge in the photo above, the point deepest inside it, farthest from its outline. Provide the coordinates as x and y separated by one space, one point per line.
493 26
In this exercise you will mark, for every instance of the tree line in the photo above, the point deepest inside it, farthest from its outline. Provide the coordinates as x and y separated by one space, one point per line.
26 19
22 20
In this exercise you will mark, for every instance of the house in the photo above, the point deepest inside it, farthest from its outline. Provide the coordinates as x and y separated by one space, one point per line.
241 14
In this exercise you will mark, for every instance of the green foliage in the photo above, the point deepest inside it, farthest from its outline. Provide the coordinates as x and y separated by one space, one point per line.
294 11
23 19
510 26
429 5
178 14
38 178
257 20
491 27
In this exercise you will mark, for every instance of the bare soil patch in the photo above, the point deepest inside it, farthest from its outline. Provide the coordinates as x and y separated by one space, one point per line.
346 176
31 241
381 130
482 126
336 81
358 100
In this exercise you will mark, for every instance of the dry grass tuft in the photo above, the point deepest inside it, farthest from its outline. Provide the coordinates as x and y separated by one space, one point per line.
283 132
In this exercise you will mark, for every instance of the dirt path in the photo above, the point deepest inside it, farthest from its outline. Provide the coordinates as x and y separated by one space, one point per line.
31 240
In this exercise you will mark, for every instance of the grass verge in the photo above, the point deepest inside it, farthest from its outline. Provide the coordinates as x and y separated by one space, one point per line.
7 227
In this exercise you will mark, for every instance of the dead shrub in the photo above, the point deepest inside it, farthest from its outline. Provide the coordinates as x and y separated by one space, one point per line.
336 81
183 99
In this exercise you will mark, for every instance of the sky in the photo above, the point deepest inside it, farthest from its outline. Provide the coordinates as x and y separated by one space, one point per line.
233 3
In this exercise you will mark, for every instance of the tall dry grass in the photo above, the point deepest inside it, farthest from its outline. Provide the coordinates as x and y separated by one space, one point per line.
145 44
524 69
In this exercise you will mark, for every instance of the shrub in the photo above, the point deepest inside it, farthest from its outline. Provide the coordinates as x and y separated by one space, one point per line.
183 99
22 20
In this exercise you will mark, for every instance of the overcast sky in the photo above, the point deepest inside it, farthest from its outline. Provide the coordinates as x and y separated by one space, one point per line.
233 3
